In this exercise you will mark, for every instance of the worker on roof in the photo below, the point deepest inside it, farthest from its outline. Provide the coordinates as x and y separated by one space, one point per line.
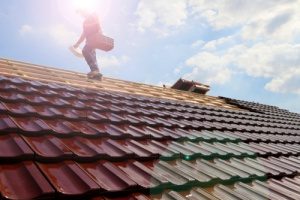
91 27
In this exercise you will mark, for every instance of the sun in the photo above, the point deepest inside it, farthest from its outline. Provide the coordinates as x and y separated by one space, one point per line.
68 9
88 5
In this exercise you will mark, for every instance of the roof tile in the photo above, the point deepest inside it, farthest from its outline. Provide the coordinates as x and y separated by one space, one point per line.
31 125
23 181
62 127
7 124
84 148
109 176
143 175
113 139
48 148
69 179
13 147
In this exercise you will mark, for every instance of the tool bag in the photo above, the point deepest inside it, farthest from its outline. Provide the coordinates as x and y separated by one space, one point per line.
100 41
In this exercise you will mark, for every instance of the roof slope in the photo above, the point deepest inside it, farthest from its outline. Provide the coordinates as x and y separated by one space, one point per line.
42 73
81 140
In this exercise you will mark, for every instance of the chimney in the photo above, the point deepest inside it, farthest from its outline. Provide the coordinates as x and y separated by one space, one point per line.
191 86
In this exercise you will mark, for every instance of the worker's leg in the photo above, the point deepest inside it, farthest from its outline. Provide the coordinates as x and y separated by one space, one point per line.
90 57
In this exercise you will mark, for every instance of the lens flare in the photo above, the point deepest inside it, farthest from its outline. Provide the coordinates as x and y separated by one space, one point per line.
88 5
68 8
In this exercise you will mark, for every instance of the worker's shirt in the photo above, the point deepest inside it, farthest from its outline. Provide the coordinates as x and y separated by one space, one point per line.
91 26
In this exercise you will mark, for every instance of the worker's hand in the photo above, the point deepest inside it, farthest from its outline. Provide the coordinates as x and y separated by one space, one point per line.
76 46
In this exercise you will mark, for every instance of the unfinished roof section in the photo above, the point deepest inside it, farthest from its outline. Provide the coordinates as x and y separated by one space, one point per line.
41 73
260 108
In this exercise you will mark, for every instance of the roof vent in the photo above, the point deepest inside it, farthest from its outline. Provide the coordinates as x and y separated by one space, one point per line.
191 86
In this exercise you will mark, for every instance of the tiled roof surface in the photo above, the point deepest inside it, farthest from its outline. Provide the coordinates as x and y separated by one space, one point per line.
258 107
40 73
60 140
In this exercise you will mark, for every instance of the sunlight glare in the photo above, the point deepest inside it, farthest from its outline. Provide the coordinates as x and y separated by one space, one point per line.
68 8
87 5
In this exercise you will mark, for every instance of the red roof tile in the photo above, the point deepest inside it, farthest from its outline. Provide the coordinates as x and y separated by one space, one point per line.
109 177
69 179
13 147
6 123
23 181
66 137
49 148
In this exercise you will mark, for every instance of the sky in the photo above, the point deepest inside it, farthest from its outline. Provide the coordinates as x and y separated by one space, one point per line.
243 49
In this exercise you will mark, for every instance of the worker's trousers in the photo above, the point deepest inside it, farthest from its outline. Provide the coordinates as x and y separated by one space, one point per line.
89 54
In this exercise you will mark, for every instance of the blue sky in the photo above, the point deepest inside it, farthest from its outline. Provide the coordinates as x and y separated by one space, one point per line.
243 49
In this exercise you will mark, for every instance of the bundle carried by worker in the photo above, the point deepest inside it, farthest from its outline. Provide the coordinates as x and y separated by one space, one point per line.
97 41
100 41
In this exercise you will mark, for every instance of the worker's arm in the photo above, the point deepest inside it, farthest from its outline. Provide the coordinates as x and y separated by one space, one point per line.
80 40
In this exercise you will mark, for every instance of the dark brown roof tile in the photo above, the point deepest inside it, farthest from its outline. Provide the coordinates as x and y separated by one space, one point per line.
69 179
24 181
121 140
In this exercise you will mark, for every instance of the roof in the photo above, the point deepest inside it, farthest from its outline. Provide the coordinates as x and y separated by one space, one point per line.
191 86
64 136
38 73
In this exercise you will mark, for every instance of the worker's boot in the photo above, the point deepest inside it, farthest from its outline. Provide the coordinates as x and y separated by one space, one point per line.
95 74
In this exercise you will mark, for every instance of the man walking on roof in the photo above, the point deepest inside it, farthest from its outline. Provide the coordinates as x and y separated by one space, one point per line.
91 27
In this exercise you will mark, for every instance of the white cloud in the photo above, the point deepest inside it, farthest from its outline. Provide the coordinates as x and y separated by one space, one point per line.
160 15
280 24
61 35
286 83
57 33
255 17
198 43
268 60
209 68
229 13
214 44
277 62
112 61
265 43
25 29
